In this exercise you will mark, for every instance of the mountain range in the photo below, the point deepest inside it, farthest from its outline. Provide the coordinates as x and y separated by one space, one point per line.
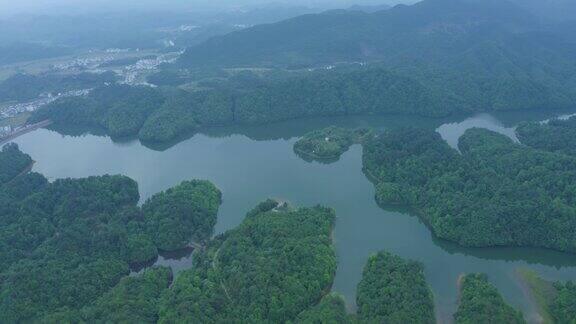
446 32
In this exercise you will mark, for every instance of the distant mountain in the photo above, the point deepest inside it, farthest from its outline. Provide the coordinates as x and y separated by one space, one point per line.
370 9
132 29
550 9
22 51
433 30
266 14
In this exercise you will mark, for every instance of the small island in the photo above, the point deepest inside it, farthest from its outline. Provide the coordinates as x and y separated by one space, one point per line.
328 145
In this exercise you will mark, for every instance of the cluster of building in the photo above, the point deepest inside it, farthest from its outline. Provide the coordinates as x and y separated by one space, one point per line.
119 50
133 72
15 109
82 63
187 28
5 131
332 67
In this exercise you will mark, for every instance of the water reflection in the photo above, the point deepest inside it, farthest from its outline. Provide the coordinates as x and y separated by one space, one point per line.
451 132
451 128
531 256
177 260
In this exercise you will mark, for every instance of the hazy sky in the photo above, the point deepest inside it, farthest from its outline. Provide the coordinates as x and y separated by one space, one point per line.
10 7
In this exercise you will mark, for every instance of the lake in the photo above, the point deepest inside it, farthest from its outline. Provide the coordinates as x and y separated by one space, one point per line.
250 164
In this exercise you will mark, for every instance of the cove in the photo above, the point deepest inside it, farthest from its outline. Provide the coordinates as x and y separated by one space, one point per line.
250 164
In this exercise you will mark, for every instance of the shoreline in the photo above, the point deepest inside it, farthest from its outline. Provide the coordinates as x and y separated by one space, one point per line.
317 157
533 287
27 129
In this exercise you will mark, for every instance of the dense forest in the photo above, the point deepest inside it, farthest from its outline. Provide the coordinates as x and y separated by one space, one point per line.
331 309
505 53
163 114
168 78
348 36
12 162
66 243
393 290
121 110
481 303
183 213
492 193
556 135
133 300
327 145
563 306
456 55
275 265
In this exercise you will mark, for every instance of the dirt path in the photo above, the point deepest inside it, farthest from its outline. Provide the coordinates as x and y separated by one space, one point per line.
215 267
25 171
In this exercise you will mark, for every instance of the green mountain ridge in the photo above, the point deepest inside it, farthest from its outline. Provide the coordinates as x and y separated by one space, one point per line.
431 30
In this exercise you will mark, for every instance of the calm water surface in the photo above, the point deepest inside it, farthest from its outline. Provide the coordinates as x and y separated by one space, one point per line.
252 164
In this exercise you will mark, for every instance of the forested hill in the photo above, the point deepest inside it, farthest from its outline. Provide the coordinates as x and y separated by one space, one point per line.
480 302
556 135
562 10
65 244
12 163
495 193
394 290
369 8
162 115
432 30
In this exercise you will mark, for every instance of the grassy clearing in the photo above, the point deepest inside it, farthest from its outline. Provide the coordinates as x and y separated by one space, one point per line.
15 121
541 290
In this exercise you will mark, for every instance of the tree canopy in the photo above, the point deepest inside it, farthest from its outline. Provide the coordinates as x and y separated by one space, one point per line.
492 193
12 162
328 144
393 290
272 267
186 212
556 135
481 303
65 244
563 306
330 310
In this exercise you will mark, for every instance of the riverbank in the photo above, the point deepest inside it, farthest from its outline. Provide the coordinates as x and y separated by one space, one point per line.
24 130
539 292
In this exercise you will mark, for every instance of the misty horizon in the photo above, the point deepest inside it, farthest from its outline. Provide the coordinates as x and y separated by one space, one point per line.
44 7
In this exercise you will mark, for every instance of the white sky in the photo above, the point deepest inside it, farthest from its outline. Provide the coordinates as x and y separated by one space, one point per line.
10 7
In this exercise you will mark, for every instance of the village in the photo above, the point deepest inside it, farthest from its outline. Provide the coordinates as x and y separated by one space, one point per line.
15 109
